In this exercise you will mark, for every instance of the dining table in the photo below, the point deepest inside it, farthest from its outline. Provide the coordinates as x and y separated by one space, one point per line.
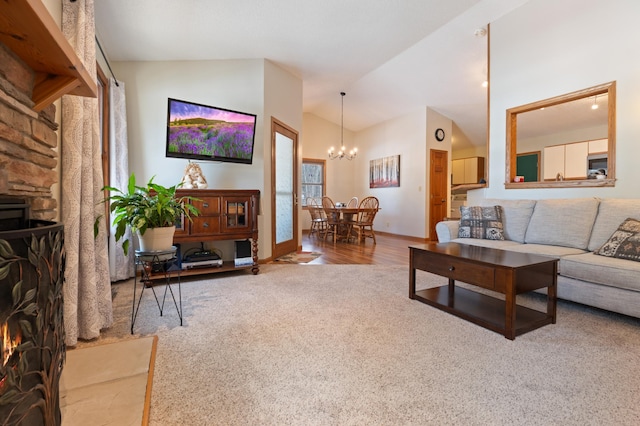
345 215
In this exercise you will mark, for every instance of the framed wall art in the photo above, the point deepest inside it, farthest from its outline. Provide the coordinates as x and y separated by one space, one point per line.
384 172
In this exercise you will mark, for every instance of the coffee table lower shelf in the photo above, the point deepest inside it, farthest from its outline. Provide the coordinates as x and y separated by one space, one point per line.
480 309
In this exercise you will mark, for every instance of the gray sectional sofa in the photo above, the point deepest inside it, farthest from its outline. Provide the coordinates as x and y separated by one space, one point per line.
571 230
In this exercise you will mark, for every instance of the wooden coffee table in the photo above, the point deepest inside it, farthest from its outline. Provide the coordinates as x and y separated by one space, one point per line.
506 272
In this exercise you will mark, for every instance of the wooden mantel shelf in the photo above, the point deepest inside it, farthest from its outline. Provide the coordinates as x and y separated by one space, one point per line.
27 28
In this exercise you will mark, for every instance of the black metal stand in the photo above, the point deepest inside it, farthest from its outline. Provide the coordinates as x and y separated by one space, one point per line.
156 262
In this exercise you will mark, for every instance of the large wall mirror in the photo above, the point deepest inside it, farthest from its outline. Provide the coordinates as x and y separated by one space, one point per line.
566 141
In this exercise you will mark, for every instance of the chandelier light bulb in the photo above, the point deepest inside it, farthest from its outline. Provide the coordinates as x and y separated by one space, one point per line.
343 152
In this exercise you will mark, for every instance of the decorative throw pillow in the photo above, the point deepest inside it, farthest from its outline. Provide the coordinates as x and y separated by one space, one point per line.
481 222
624 243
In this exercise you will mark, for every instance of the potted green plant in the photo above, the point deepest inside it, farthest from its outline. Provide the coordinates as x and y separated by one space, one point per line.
151 211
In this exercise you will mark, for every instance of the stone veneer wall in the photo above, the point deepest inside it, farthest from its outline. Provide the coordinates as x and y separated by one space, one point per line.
28 139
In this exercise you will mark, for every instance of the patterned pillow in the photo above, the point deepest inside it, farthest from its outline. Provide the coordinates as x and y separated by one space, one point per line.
624 243
481 222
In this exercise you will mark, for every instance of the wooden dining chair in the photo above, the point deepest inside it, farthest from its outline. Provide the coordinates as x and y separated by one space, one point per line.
318 218
364 223
349 219
333 218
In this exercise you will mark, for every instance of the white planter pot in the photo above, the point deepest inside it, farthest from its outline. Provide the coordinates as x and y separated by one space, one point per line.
157 239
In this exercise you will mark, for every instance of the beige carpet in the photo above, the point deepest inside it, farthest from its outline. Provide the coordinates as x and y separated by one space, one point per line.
344 345
108 384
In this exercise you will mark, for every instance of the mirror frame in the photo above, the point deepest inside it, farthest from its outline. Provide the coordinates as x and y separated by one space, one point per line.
511 151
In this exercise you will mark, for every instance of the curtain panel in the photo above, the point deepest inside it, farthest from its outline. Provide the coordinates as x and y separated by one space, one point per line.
120 265
87 289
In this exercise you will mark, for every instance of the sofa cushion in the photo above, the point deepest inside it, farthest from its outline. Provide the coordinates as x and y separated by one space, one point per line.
481 222
515 217
562 222
546 250
611 213
603 270
496 244
624 243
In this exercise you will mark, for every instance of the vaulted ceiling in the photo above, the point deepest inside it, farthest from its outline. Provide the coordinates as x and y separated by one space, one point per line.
390 56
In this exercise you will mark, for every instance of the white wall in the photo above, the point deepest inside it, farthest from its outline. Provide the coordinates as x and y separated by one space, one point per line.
318 136
236 85
233 84
283 101
547 48
475 151
402 209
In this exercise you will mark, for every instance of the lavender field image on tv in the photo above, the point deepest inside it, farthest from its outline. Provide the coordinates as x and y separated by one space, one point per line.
207 131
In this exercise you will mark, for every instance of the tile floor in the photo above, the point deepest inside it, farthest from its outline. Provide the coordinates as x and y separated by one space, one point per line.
106 384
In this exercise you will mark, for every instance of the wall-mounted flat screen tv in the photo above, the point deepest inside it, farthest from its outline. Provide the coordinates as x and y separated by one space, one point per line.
202 132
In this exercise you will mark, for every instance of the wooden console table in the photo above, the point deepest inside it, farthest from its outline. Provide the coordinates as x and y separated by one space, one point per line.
225 214
505 272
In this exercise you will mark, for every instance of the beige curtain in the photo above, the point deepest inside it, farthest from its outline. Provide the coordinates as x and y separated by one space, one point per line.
87 292
120 265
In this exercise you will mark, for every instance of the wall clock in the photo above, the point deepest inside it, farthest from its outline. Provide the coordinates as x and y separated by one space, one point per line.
439 135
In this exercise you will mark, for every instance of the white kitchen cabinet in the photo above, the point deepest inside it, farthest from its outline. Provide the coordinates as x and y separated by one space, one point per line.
598 146
575 160
552 162
457 170
467 170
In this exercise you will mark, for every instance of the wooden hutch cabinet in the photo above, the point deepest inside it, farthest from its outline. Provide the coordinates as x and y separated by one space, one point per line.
226 214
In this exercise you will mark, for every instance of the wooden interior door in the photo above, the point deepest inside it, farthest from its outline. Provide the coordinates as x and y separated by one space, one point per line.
284 184
438 178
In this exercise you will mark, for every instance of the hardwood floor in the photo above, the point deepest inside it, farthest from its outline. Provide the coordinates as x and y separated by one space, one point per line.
389 250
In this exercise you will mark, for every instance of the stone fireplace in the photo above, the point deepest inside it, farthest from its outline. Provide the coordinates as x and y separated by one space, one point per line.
32 348
37 67
28 148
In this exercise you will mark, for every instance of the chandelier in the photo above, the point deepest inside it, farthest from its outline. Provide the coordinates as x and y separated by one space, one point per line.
343 152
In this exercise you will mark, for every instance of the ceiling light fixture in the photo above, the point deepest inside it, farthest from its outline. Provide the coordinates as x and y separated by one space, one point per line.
480 32
595 105
342 153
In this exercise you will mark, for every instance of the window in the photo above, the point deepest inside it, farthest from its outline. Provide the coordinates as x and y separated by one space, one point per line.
313 179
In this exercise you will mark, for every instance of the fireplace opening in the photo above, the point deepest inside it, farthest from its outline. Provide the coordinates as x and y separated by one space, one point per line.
32 350
9 342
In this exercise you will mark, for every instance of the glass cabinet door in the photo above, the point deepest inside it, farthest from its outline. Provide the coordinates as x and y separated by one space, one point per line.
236 213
